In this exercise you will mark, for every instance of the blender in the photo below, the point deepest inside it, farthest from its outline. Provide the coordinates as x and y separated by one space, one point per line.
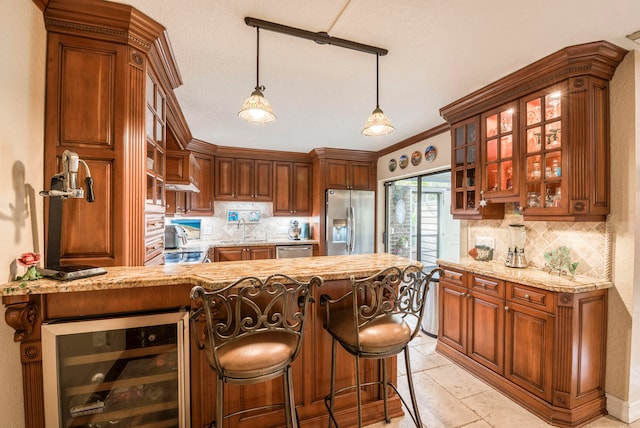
515 256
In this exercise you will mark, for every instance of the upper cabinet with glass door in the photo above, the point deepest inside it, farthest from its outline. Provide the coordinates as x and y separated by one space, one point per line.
466 200
544 140
500 154
156 144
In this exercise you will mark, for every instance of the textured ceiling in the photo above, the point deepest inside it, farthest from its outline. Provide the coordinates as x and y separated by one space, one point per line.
439 51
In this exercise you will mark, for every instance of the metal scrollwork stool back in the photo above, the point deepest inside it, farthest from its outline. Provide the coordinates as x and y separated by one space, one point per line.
375 320
253 333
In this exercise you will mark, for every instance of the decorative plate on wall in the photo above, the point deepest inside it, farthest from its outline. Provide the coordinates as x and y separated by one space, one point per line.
404 161
430 154
416 158
392 165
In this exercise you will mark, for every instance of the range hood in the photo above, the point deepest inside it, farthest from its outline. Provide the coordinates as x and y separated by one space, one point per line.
181 171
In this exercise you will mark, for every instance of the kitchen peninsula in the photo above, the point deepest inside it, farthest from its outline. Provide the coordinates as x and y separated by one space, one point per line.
127 291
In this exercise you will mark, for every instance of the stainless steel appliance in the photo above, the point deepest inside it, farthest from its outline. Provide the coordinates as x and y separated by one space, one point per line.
186 257
175 236
294 229
517 238
349 222
291 251
125 371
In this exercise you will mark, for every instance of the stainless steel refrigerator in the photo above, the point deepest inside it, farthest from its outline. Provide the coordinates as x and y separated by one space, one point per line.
350 222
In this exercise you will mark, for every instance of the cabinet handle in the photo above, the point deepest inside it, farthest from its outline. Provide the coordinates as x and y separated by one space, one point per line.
506 308
468 295
526 297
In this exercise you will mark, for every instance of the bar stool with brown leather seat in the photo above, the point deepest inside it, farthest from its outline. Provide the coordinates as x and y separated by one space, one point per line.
375 320
254 331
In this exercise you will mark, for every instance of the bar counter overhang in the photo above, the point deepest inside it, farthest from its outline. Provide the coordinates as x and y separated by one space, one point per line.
138 290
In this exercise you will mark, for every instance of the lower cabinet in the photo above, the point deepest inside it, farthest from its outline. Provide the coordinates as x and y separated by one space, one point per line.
233 254
544 349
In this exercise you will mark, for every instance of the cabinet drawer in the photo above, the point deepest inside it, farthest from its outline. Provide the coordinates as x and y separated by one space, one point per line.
154 224
453 277
532 297
491 286
153 247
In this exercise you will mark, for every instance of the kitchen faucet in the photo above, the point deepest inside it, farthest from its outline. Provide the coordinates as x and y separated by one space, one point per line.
244 228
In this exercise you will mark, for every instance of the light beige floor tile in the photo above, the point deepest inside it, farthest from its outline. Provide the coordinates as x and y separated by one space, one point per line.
609 422
500 412
457 381
438 407
478 424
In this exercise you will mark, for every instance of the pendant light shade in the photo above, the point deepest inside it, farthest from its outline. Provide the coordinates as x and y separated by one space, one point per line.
377 123
256 109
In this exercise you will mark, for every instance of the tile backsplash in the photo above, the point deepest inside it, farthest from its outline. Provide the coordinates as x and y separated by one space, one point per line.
588 242
218 226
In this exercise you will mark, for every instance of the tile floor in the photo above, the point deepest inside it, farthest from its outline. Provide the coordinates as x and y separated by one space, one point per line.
450 397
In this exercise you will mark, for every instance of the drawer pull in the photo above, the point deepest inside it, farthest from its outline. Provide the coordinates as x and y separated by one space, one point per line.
527 297
484 286
506 308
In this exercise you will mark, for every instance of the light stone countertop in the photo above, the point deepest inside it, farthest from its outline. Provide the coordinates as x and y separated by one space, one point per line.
531 276
215 275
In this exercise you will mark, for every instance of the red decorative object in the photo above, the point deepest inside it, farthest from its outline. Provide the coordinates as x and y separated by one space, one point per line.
29 259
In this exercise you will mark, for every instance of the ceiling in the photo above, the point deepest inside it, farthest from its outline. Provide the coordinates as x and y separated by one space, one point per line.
439 51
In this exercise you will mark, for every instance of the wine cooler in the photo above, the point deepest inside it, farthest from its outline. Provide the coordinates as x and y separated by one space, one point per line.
117 372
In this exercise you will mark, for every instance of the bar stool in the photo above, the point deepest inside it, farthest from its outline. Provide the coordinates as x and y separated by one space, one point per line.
375 320
253 333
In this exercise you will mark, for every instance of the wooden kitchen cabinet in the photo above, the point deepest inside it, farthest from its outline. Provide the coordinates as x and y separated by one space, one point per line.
544 349
201 203
233 254
239 179
108 98
472 317
292 188
351 175
529 344
466 175
500 154
194 203
544 139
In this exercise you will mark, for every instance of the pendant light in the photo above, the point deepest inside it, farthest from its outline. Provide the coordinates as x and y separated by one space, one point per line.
377 123
256 109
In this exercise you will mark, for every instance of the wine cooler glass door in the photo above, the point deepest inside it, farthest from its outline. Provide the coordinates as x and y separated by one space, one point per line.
128 371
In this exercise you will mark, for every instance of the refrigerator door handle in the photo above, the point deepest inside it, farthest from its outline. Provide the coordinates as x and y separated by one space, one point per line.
353 230
349 228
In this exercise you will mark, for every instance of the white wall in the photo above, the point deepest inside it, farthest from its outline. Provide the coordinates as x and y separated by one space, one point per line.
623 355
22 76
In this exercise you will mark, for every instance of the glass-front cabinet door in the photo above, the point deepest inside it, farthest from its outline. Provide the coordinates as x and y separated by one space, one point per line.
500 153
117 372
465 151
544 186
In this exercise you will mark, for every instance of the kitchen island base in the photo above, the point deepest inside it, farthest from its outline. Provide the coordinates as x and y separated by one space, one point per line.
114 296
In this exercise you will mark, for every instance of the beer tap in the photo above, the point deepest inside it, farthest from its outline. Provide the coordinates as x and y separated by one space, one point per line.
64 185
69 179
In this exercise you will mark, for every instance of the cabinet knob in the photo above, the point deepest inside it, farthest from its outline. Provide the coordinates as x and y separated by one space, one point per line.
468 295
527 297
506 308
484 286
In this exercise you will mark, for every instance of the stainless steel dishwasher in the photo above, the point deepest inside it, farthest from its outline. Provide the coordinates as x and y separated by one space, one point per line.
291 251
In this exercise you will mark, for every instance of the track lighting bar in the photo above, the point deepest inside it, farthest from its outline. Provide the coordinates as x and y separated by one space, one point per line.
321 38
